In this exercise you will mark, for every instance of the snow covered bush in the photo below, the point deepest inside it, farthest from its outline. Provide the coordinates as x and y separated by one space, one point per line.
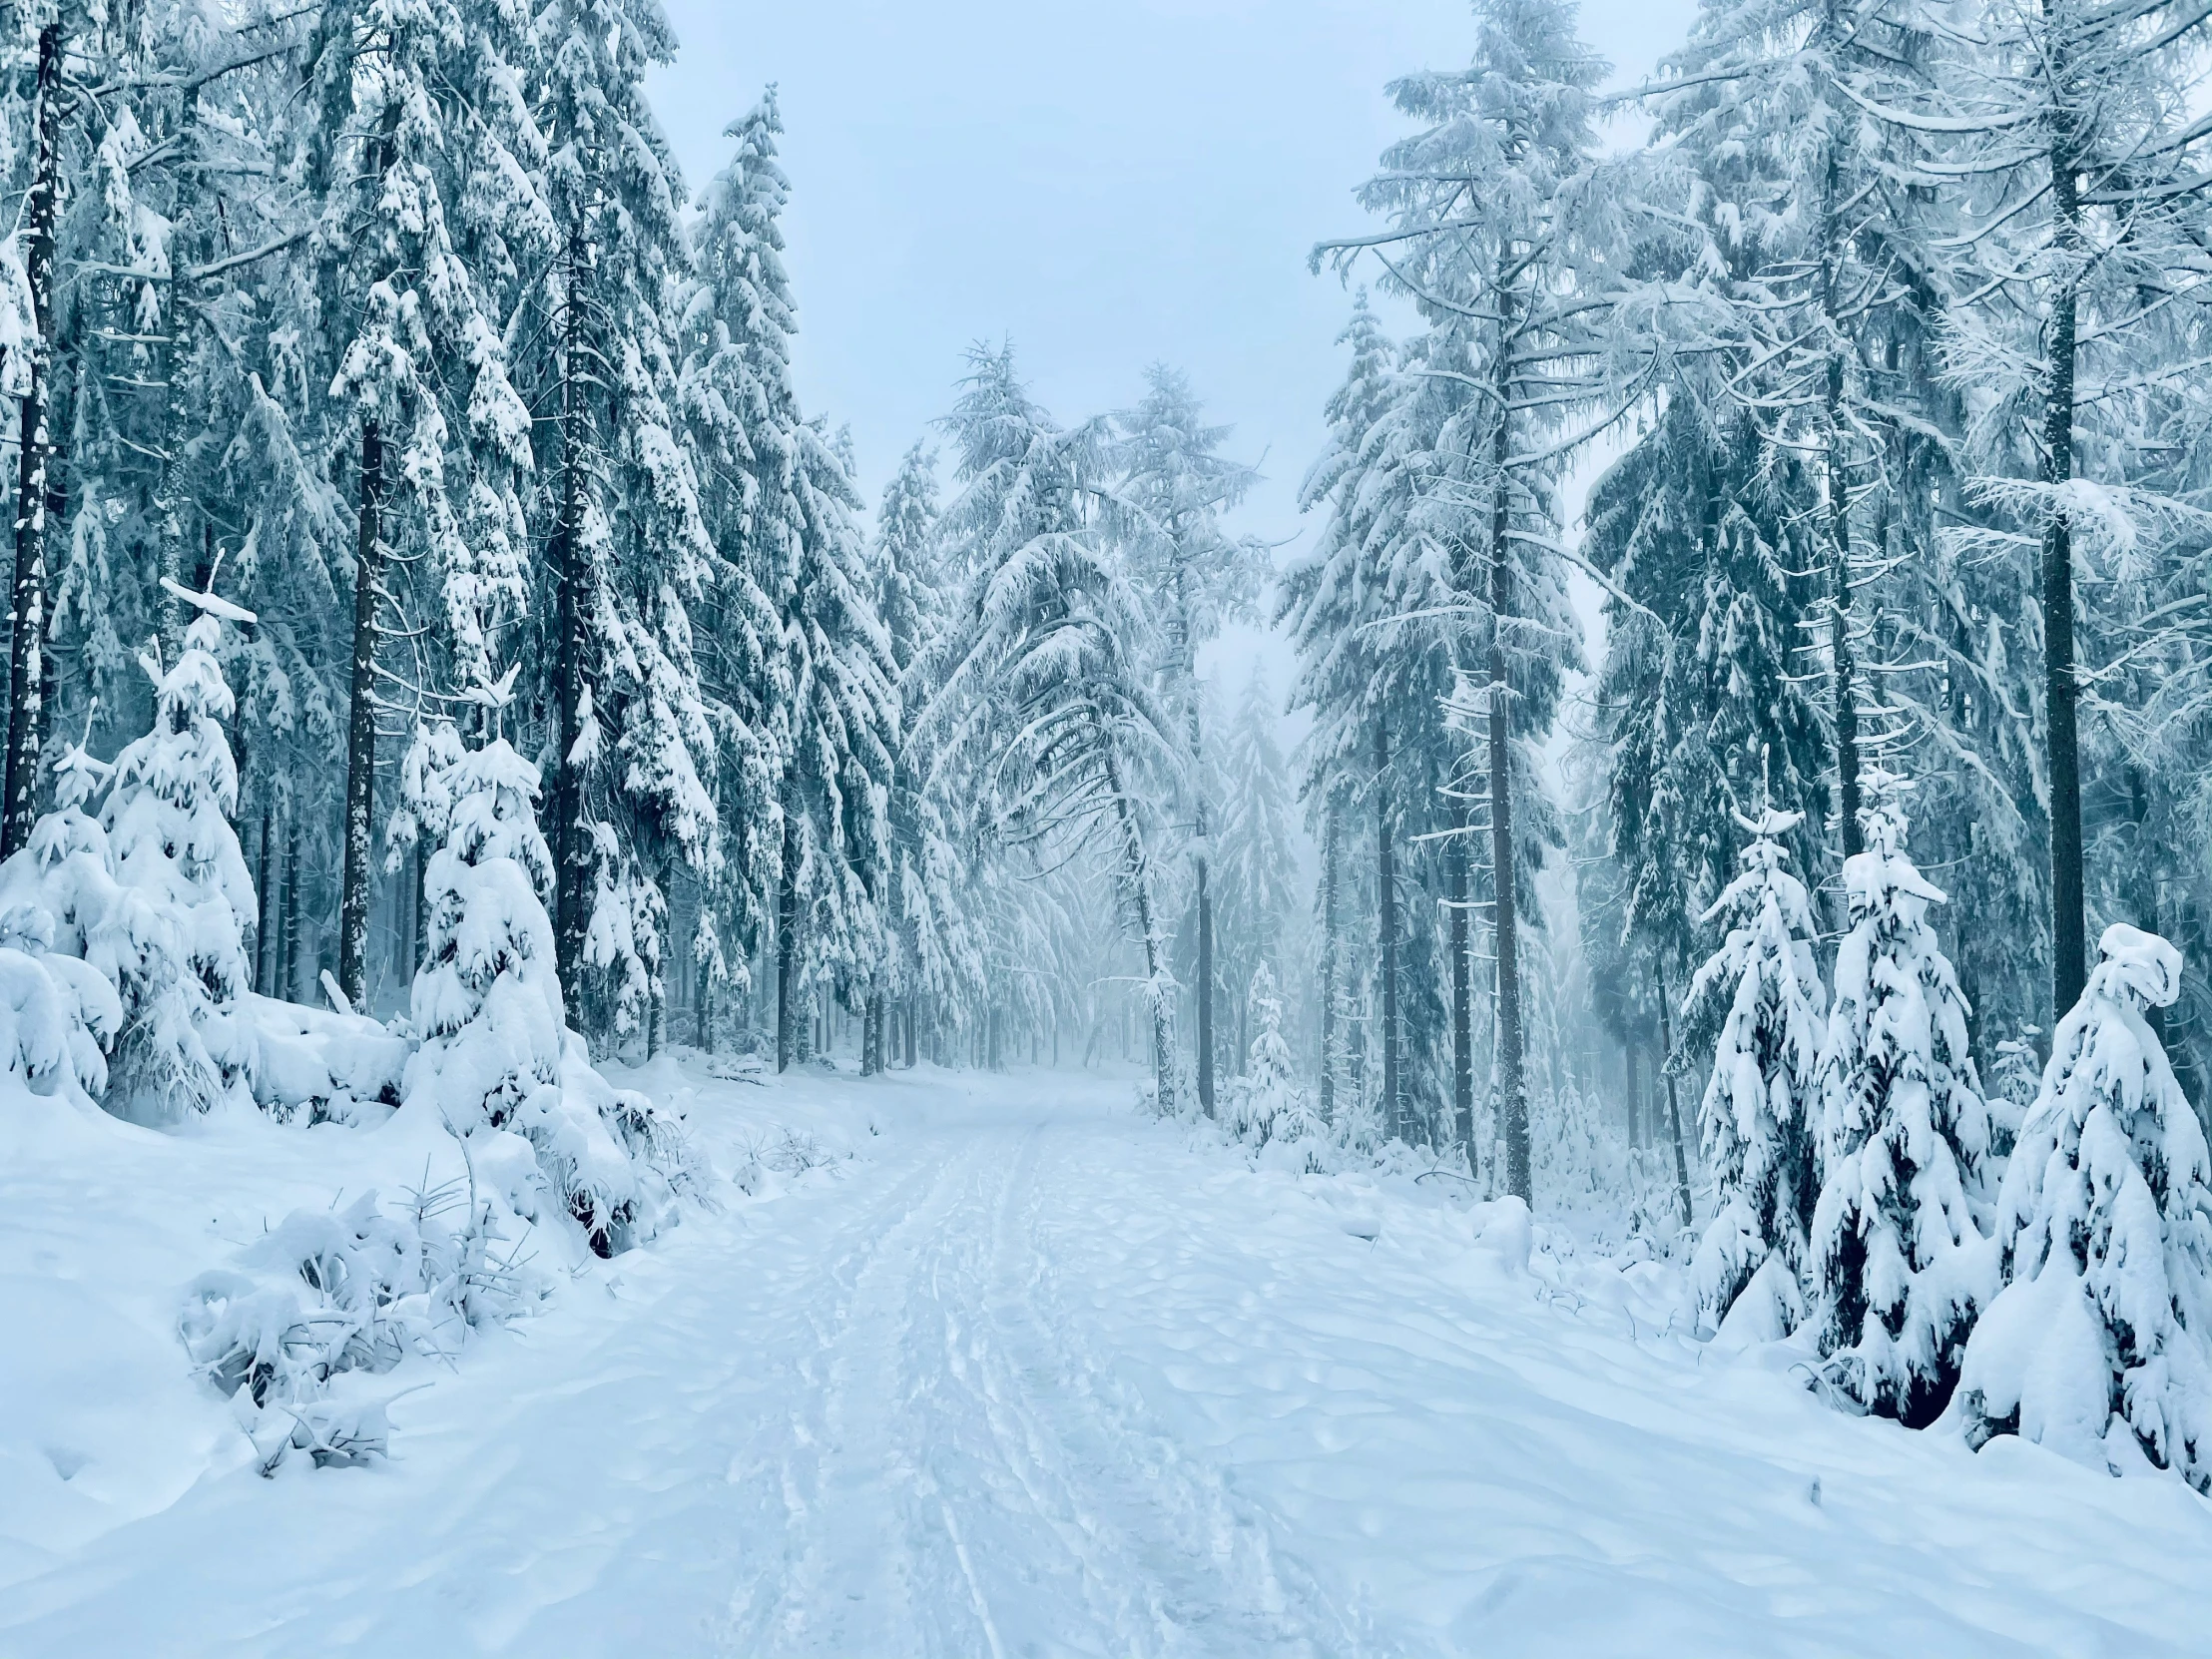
1899 1265
1755 1122
2102 1337
497 1062
332 1291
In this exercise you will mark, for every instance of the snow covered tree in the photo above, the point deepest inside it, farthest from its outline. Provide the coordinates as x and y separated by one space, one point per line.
181 965
2066 136
2102 1336
1757 1119
1901 1266
496 1062
632 741
1259 847
1174 485
1266 1106
1041 718
811 676
908 604
443 439
1501 226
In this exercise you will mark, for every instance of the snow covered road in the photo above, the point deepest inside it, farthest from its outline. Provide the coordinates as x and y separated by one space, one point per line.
1028 1375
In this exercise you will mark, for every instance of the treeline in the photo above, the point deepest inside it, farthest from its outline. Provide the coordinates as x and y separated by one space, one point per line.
1888 353
394 322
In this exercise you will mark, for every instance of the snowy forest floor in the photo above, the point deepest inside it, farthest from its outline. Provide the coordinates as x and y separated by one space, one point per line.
1012 1372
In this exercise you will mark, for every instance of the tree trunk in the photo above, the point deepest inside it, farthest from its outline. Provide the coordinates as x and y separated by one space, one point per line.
287 957
1836 481
2069 940
1386 900
1635 1081
1205 992
264 908
1330 949
360 732
1674 1109
787 944
571 848
1511 1087
1462 994
27 608
1137 875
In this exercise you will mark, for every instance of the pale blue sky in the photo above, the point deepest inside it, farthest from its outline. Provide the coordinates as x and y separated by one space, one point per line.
1108 184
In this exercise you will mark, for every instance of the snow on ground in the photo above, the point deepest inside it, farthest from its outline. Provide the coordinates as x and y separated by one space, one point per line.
1011 1372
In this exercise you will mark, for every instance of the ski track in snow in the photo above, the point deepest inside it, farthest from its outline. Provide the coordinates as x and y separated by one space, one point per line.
1030 1377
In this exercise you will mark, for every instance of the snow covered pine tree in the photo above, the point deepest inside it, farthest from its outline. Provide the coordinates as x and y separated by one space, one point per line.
1757 1120
2100 1343
1899 1265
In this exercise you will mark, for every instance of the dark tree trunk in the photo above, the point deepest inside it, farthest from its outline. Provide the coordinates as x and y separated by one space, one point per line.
360 732
2069 940
1635 1093
27 606
571 848
1511 1087
1463 995
1674 1109
1386 900
1330 947
1205 992
287 959
1843 670
787 946
264 908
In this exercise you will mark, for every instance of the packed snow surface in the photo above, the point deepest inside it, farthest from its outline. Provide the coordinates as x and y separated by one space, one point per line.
993 1367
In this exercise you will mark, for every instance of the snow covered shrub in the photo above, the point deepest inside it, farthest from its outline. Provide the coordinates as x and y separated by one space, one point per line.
315 1065
1755 1122
2102 1336
1267 1108
496 1060
329 1291
1899 1265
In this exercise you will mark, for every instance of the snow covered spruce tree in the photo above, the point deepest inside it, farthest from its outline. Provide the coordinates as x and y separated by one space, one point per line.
809 672
630 738
1268 1107
909 603
177 937
2100 1343
1757 1119
496 1062
441 436
1901 1268
1259 854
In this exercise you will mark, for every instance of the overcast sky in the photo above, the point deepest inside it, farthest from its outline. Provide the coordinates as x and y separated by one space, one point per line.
1108 184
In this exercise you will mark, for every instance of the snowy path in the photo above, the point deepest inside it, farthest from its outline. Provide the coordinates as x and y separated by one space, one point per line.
1029 1376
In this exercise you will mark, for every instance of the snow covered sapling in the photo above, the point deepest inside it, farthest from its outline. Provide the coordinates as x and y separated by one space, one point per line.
178 951
1756 1122
59 906
496 1061
2102 1336
1265 1105
1899 1265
